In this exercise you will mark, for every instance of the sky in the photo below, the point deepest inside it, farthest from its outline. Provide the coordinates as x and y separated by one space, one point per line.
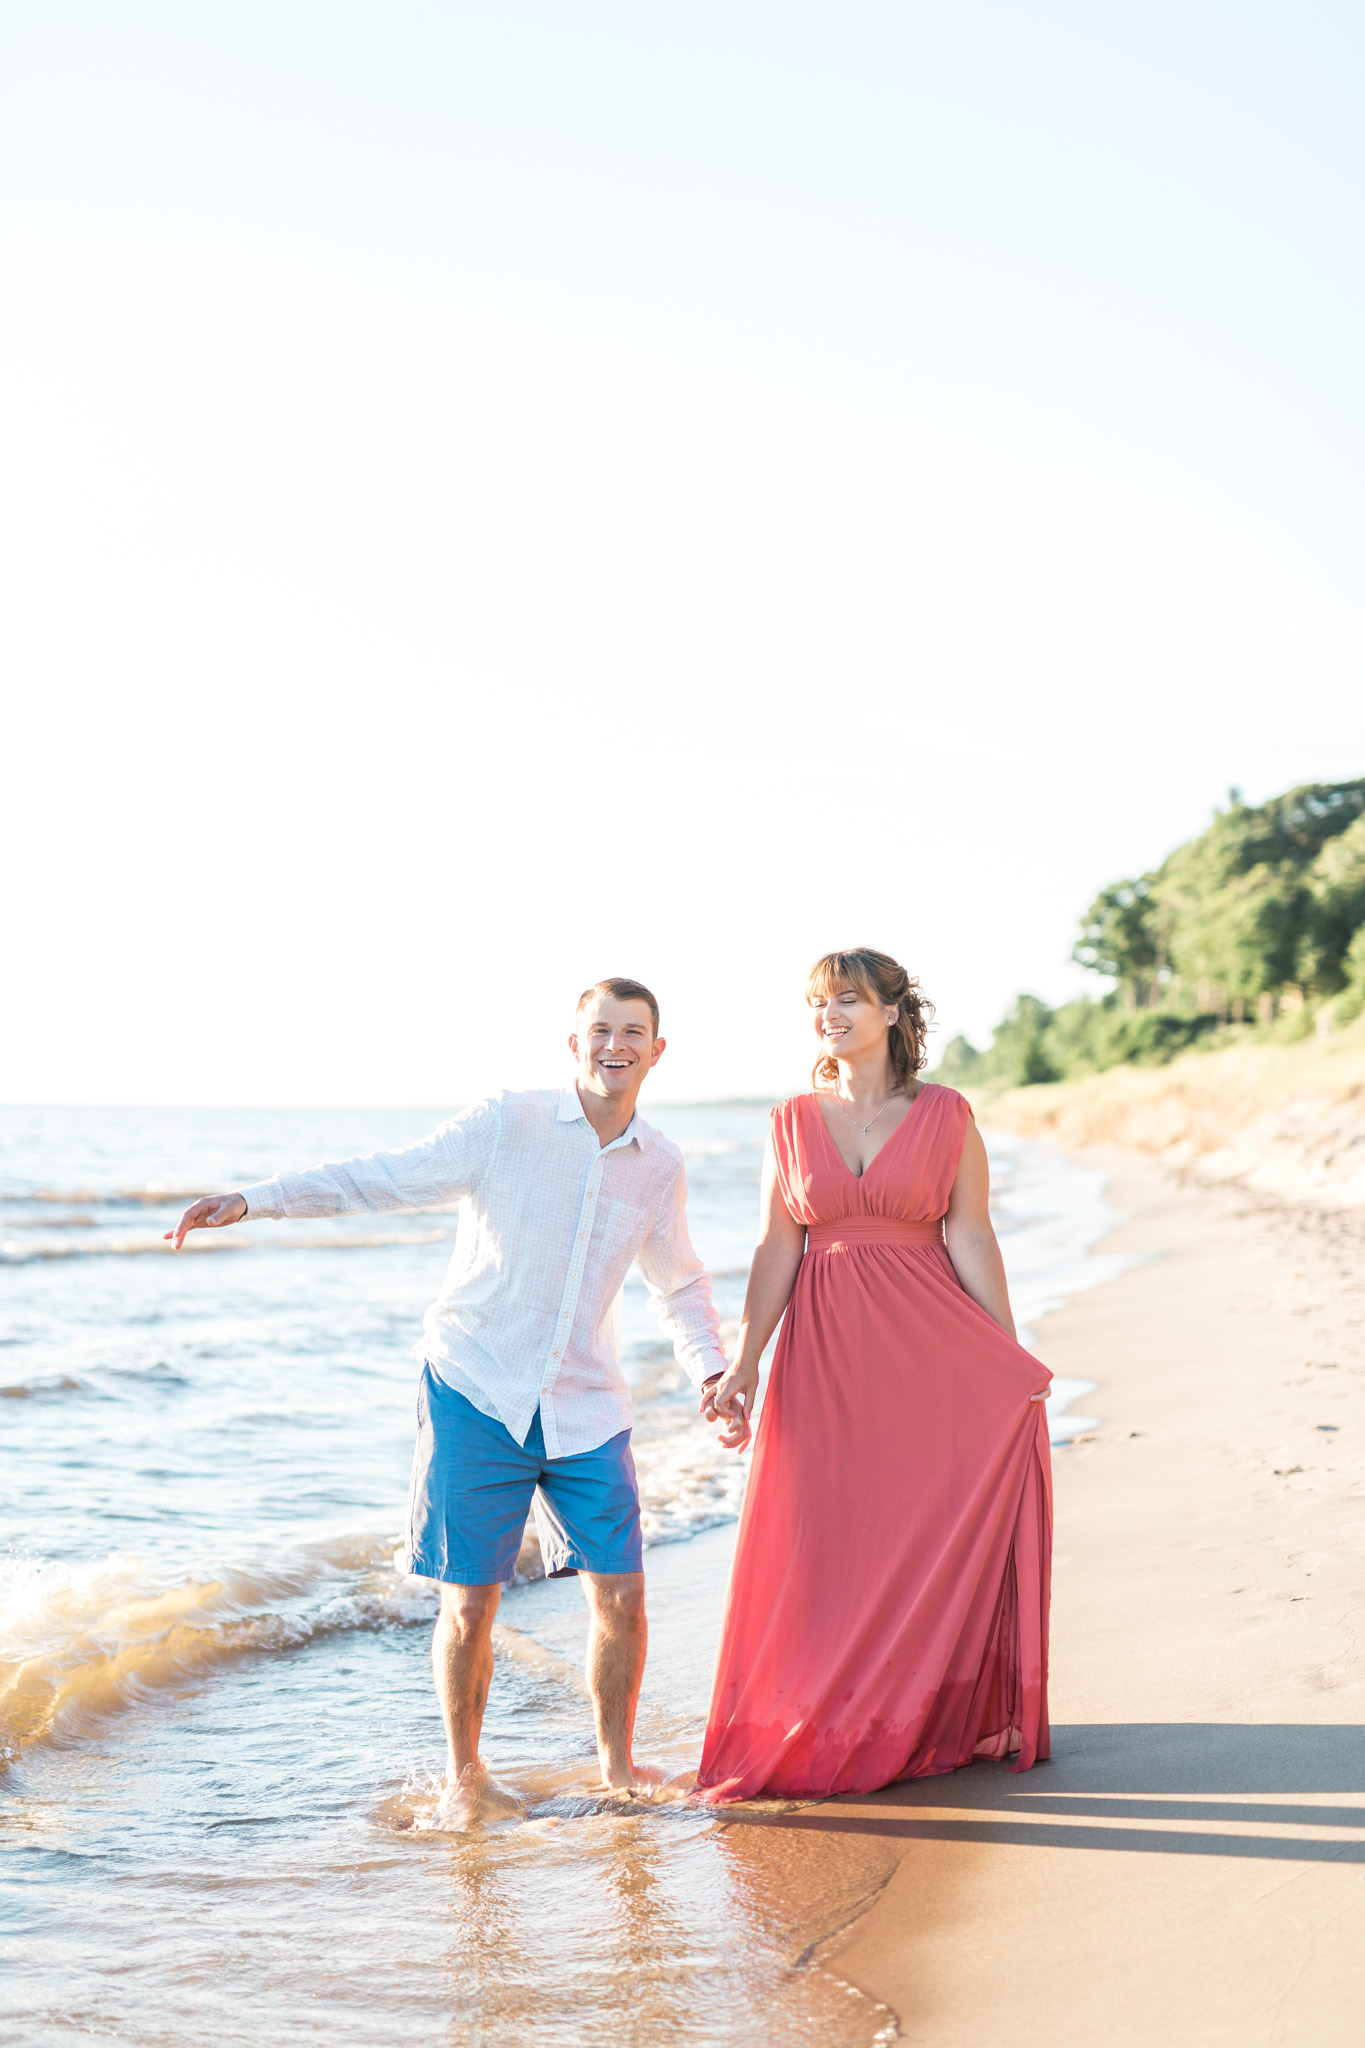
494 496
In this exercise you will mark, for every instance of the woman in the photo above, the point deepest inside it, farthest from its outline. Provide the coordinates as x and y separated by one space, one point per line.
887 1614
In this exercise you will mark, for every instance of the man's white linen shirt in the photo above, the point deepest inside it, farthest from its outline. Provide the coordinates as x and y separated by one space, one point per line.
550 1220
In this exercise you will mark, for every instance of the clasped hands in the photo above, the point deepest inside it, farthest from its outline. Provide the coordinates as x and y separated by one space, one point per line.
728 1399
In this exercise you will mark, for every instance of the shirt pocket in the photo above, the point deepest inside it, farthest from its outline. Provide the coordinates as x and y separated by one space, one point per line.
624 1227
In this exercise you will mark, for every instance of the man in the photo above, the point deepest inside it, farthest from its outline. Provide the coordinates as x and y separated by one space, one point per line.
521 1386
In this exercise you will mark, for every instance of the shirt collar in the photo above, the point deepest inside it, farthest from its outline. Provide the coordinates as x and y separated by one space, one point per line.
571 1112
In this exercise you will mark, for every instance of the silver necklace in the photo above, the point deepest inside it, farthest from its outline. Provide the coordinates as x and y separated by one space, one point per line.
865 1128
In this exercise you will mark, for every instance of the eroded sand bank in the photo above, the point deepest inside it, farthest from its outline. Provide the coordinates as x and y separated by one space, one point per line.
1190 1868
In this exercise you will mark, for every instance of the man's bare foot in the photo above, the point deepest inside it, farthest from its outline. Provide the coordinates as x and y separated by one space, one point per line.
460 1797
470 1795
631 1778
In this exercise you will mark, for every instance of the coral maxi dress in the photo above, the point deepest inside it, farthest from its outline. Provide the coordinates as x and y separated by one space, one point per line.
887 1613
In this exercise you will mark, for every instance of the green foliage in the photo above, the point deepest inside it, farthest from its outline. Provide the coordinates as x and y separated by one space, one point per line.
1033 1043
1086 1038
960 1062
1264 909
1336 884
1268 896
1349 1005
1118 933
1017 1055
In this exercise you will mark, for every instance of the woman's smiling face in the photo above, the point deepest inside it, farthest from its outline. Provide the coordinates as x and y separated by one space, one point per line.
848 1024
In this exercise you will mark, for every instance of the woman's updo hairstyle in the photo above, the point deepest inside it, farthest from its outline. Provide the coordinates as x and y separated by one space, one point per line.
878 979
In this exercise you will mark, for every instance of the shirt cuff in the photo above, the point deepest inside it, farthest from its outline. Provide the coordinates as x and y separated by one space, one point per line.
700 1370
263 1198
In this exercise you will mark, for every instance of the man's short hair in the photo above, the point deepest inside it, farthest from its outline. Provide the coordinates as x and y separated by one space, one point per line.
625 991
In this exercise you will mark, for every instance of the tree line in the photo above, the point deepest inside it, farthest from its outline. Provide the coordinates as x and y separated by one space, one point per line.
1256 925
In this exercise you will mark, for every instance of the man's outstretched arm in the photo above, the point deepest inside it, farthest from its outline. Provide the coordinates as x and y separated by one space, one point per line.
440 1168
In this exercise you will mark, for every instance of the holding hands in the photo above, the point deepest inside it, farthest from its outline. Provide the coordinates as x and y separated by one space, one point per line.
210 1212
729 1400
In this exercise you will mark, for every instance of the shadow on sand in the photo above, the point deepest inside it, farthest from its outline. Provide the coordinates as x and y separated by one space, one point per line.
1176 1788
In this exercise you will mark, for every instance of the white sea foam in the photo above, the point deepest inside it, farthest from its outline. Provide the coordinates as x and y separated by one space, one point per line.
81 1644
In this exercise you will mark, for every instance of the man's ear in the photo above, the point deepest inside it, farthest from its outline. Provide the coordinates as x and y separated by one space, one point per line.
658 1051
573 1046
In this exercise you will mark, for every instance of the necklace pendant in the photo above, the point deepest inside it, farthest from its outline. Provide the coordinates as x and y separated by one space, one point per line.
864 1128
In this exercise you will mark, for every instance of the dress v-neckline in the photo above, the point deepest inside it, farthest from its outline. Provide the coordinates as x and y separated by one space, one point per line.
859 1178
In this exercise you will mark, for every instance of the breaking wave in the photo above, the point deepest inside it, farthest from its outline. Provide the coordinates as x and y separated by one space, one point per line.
79 1645
42 1387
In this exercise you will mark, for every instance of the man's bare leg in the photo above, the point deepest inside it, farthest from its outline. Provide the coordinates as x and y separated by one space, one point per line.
462 1665
615 1666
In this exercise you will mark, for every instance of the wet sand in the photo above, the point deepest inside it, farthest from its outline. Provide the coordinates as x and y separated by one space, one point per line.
1190 1867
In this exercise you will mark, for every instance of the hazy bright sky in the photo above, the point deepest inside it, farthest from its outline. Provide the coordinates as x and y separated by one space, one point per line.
496 495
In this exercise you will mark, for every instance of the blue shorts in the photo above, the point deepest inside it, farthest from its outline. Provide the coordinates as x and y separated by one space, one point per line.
473 1483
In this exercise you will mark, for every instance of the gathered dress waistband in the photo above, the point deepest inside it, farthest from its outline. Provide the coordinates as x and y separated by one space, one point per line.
827 1237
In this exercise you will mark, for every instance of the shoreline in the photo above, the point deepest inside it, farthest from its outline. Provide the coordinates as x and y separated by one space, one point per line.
1190 1867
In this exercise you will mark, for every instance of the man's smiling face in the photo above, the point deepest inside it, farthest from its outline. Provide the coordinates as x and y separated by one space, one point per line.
614 1044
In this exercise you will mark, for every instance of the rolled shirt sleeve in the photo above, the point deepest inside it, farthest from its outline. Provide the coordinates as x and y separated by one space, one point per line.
680 1288
442 1167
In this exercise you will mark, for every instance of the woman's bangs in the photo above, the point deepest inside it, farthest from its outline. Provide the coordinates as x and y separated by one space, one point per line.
835 971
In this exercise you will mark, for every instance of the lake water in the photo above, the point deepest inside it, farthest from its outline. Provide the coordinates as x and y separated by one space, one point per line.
217 1732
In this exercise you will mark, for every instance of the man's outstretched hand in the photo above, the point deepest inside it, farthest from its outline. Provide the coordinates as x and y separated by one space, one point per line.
729 1400
210 1212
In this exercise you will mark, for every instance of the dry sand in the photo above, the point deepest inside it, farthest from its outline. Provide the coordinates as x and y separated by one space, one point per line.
1189 1870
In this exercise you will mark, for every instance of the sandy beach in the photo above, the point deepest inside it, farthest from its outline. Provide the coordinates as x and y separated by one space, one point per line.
1190 1867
